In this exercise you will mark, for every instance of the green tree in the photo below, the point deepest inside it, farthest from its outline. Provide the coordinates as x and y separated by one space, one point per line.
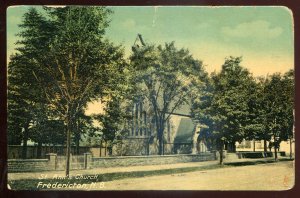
167 78
19 114
256 128
223 110
279 105
79 64
83 126
289 85
46 131
73 64
28 112
24 94
114 121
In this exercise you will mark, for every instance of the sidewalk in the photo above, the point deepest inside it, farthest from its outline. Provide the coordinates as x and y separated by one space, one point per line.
51 174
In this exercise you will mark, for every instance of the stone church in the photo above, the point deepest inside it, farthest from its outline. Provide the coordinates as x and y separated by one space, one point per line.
180 135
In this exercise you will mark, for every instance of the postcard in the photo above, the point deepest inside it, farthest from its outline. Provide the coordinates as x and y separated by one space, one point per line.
103 98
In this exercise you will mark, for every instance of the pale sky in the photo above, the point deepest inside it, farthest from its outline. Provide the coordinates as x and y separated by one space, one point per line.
263 36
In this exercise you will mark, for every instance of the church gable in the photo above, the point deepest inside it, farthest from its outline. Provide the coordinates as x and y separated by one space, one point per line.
185 131
138 43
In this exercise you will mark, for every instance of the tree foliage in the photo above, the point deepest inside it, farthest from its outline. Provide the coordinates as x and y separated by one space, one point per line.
224 110
236 106
72 63
167 78
24 94
279 107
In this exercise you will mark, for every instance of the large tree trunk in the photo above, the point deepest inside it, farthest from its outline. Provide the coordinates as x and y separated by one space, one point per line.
291 148
160 133
77 146
221 152
77 135
163 147
160 144
39 150
105 148
253 145
100 154
68 151
148 146
265 145
275 151
25 139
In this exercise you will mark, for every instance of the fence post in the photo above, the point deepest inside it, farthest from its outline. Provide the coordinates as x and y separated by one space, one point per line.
52 157
87 160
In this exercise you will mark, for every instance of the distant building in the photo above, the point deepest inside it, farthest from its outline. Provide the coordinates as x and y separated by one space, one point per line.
258 145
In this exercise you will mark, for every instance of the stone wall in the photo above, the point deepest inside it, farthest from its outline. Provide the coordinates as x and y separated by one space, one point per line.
28 165
31 165
86 161
53 162
150 160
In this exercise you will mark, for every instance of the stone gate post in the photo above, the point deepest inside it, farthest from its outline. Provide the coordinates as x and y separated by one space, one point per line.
52 157
87 160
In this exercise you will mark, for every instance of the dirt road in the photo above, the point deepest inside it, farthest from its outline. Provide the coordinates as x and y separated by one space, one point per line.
275 176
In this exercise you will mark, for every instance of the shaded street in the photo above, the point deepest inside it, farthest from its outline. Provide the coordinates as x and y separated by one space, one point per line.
275 176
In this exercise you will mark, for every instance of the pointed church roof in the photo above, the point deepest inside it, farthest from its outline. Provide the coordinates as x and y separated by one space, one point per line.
185 131
140 39
138 43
